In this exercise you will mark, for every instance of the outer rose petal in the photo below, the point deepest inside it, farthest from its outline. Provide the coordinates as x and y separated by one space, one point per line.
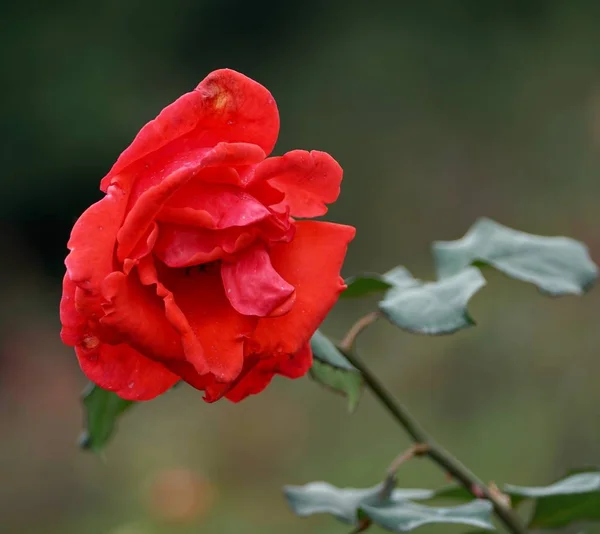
297 365
192 348
311 262
254 378
138 316
117 368
220 329
213 390
128 373
309 180
92 245
73 323
251 284
226 106
258 377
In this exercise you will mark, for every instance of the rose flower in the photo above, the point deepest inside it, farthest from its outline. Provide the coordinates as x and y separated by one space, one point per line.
192 266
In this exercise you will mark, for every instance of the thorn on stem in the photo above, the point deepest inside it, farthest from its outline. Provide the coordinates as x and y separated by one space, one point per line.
418 449
499 495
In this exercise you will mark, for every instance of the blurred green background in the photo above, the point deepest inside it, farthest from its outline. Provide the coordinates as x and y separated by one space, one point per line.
439 112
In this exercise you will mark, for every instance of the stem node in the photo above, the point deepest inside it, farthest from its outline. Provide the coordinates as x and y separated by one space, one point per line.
423 446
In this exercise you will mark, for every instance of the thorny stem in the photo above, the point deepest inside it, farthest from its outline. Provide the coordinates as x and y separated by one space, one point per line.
418 449
428 447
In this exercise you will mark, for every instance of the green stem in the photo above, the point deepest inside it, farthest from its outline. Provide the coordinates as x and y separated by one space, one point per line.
431 449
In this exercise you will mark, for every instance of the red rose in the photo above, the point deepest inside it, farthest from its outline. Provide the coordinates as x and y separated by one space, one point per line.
191 267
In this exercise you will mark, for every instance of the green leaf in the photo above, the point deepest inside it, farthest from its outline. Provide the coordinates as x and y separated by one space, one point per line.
397 513
556 265
454 492
347 383
433 307
102 408
331 369
400 279
405 515
343 503
325 351
364 284
573 498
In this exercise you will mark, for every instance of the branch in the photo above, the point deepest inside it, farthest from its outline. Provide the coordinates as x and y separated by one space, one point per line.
429 448
418 449
350 338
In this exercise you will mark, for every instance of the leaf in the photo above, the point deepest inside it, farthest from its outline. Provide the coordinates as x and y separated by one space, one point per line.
343 503
573 498
102 408
400 279
433 307
454 492
325 351
331 369
365 284
397 513
556 265
405 515
347 383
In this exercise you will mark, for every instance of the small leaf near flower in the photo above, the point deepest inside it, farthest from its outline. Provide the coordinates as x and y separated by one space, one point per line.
331 369
431 307
102 408
365 284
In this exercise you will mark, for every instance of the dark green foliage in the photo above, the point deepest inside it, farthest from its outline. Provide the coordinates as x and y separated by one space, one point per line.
102 408
571 499
365 284
331 369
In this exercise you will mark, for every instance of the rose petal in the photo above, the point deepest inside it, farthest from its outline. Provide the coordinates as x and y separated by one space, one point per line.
220 329
254 378
138 316
311 262
183 246
73 323
216 165
142 249
213 390
296 365
251 284
194 353
309 180
121 369
92 245
213 206
266 193
145 208
226 106
258 377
